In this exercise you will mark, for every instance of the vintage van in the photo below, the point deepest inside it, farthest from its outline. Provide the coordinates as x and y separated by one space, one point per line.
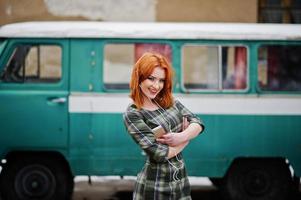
64 87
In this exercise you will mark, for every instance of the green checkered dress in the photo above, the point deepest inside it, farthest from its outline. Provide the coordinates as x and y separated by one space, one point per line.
160 178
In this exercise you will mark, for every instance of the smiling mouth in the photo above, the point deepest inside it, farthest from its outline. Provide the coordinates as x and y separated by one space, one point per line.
153 91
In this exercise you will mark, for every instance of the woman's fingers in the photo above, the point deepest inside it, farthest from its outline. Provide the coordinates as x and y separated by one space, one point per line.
165 139
161 140
185 123
172 139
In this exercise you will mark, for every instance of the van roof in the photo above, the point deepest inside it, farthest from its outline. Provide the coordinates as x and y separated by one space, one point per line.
152 30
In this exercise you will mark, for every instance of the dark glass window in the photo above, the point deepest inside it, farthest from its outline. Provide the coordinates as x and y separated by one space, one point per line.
280 11
279 68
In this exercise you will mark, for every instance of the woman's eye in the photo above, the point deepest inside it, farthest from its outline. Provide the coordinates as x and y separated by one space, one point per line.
162 81
151 78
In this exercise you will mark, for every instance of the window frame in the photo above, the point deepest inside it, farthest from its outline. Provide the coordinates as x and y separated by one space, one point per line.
35 78
13 43
130 41
220 81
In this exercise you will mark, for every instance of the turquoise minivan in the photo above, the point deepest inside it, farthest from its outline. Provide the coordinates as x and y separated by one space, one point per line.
64 87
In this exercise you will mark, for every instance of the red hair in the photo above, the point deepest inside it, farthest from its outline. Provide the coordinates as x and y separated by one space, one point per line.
142 70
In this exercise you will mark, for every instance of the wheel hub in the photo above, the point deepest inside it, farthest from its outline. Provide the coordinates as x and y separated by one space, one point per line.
256 183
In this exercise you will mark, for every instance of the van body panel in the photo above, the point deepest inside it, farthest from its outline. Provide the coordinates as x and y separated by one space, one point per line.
207 155
86 62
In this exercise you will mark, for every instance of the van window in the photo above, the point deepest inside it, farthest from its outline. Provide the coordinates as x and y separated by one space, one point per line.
119 60
214 67
34 63
279 68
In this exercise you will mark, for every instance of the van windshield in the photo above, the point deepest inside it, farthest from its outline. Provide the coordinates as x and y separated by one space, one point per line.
2 45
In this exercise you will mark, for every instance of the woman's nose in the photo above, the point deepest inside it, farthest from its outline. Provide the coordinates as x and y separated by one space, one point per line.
156 84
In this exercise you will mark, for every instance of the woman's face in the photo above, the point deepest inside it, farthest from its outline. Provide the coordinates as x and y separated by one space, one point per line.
154 83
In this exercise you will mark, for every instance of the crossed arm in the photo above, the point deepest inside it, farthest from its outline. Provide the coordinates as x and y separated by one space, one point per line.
178 141
163 148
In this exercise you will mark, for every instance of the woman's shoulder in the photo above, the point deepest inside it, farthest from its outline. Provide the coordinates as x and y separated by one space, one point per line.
131 110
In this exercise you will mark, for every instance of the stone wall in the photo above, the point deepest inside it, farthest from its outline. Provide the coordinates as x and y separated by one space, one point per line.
129 10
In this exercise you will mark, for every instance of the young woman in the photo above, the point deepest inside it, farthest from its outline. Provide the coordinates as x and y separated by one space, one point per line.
163 175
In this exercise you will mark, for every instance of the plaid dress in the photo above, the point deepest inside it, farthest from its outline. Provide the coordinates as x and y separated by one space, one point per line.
160 178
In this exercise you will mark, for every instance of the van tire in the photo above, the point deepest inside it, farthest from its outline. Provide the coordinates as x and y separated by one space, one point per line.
258 179
35 177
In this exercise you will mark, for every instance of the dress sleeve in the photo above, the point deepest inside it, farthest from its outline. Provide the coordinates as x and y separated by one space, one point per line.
191 118
144 137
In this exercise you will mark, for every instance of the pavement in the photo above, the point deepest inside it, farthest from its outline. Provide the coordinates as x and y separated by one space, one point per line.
115 188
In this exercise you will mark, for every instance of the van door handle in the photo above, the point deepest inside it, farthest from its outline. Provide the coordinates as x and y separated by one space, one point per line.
58 100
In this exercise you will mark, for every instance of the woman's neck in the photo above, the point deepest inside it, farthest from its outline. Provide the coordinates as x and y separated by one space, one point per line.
148 104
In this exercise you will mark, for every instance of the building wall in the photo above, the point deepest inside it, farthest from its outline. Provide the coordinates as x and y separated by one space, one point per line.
100 10
125 10
207 11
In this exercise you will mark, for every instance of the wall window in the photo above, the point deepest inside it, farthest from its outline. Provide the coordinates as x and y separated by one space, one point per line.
119 60
214 67
279 68
33 63
280 11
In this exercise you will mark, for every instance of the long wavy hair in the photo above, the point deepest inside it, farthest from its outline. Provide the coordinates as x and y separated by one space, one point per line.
142 70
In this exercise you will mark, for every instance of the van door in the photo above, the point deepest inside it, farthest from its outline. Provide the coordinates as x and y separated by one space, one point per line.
33 95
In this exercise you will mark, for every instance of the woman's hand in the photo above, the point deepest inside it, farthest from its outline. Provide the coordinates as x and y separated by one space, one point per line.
173 139
173 151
